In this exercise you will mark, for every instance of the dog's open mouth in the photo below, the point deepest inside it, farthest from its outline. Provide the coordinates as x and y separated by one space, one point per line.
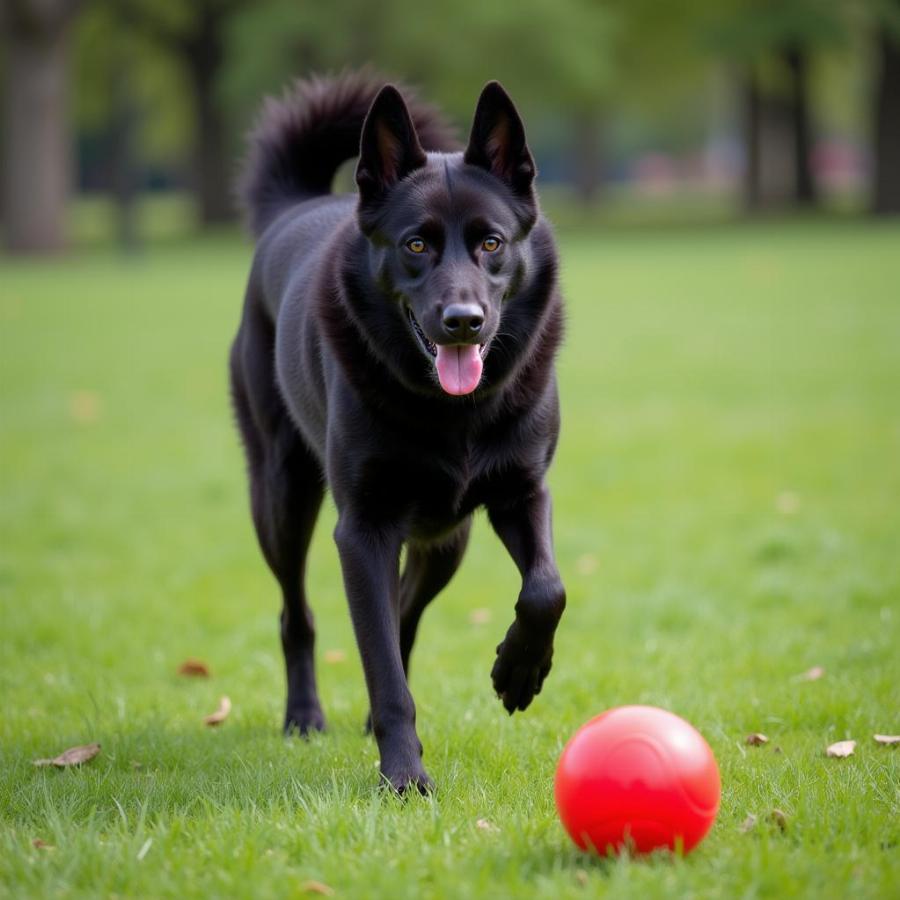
459 366
429 346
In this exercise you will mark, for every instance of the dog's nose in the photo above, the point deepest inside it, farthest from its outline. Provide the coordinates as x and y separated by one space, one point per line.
463 321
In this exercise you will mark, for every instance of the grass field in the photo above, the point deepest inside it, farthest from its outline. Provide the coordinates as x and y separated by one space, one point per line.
726 493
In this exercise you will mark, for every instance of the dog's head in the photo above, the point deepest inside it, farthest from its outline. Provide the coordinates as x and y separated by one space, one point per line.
447 231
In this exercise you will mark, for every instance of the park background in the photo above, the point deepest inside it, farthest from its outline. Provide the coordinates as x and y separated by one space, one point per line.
725 182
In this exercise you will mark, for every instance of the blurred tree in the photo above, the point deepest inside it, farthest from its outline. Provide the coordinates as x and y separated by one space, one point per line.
123 162
661 75
38 145
116 67
771 42
553 55
107 111
194 33
886 137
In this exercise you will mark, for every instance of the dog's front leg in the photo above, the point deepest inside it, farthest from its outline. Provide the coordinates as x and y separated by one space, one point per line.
370 560
525 655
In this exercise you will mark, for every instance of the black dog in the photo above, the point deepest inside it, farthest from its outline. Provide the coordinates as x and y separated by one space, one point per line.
398 346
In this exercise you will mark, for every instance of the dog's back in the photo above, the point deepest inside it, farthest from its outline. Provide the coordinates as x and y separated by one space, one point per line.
298 144
300 141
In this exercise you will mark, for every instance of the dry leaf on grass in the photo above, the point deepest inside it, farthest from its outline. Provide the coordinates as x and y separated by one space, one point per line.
221 714
887 739
480 616
485 825
84 407
787 503
317 887
334 656
813 674
74 756
40 844
756 739
779 818
841 749
581 877
748 824
194 668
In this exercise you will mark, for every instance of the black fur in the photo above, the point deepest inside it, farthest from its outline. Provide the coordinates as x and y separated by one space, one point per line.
356 368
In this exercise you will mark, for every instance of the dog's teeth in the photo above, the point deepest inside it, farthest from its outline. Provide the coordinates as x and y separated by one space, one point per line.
429 346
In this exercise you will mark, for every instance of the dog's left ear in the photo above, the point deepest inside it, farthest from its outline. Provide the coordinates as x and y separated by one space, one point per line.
497 142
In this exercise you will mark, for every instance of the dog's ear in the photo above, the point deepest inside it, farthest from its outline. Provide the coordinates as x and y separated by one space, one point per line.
497 142
389 147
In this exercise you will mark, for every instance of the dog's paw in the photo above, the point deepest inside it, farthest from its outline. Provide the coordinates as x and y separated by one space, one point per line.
408 782
522 664
304 722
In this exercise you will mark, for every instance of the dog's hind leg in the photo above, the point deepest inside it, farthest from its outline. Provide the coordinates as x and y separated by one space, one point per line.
286 490
427 572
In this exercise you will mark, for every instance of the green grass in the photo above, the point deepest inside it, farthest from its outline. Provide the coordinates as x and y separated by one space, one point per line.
726 517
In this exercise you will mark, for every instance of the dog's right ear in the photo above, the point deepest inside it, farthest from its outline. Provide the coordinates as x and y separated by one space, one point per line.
389 147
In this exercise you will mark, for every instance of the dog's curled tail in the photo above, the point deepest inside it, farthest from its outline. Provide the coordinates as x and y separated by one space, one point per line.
300 140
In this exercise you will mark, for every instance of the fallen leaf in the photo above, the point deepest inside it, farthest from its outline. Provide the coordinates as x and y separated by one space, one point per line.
581 877
841 749
756 739
12 309
779 818
40 844
813 674
485 825
480 616
888 739
74 756
586 564
84 407
194 668
221 714
748 824
787 503
335 656
317 887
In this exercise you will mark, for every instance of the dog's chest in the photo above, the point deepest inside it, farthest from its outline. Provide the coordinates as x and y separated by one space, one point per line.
446 488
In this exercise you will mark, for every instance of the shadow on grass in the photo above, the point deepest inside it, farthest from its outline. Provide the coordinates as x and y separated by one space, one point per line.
552 860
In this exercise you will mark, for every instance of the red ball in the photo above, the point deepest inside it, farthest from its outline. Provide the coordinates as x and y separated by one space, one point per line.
637 777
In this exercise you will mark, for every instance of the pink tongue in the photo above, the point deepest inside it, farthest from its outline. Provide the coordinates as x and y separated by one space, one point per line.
459 368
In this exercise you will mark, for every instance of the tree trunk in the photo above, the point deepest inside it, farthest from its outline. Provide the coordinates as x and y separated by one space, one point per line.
122 162
886 181
211 170
37 168
796 60
752 116
587 157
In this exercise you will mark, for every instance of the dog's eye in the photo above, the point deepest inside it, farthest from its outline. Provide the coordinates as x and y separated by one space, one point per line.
416 245
491 244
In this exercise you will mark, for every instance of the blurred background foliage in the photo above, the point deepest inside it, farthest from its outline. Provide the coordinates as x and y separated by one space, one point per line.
755 105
